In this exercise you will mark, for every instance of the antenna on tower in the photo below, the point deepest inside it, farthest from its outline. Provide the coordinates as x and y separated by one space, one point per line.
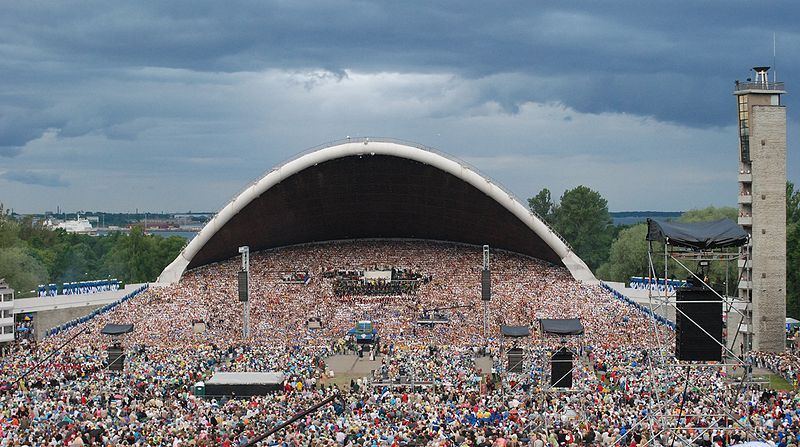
774 67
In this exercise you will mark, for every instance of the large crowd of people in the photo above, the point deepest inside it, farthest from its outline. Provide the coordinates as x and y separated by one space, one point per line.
428 387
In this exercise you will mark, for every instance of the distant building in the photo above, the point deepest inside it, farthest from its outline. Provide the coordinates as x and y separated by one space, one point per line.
762 208
6 313
80 225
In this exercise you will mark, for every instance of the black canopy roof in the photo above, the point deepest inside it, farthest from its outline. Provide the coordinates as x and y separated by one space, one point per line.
700 235
515 331
570 326
116 329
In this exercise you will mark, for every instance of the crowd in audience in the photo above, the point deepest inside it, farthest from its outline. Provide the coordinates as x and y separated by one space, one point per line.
624 392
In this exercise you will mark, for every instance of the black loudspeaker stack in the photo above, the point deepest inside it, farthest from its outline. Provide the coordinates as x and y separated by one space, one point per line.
486 285
704 307
561 369
515 360
242 285
116 358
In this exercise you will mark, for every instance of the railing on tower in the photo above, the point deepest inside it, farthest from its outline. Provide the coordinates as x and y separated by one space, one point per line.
759 85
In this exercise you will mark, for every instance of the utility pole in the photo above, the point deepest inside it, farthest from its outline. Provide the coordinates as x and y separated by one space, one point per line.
484 297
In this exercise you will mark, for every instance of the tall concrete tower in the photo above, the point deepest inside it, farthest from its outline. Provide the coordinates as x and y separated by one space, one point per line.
762 208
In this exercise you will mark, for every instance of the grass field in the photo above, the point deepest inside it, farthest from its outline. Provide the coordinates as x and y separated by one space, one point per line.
777 382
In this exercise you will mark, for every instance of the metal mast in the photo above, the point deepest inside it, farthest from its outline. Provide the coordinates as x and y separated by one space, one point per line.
245 251
485 302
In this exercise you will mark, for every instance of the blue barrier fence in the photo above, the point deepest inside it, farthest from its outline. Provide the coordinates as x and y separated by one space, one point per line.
105 309
78 288
638 282
46 290
643 309
83 287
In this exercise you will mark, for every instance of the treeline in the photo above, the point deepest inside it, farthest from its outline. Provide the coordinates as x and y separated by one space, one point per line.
125 219
615 253
31 254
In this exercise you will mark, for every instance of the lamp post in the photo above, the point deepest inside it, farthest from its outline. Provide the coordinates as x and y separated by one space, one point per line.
245 251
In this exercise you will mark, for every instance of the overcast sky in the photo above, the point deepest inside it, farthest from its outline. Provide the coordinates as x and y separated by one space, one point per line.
176 106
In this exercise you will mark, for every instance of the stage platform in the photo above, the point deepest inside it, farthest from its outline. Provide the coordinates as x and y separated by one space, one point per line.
353 364
244 383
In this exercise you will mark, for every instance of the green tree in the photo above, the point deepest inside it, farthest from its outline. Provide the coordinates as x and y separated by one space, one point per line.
138 257
76 263
9 232
792 251
542 204
31 254
716 274
709 213
792 204
582 218
627 256
22 271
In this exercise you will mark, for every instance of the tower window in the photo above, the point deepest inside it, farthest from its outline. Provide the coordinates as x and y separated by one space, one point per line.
744 128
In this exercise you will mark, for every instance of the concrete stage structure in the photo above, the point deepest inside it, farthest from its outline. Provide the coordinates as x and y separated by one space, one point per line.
374 189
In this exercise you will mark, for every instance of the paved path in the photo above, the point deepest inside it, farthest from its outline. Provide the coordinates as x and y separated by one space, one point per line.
484 364
352 364
347 367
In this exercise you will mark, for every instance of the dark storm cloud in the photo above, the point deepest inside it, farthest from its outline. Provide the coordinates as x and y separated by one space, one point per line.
172 91
635 57
49 179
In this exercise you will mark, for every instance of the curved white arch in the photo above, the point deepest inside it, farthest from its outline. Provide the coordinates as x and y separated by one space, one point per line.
574 264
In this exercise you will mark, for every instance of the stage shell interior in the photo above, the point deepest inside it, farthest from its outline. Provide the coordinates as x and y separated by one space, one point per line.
362 189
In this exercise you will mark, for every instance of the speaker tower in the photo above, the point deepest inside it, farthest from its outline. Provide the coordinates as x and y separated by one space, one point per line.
515 360
486 285
561 369
242 285
116 358
699 315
